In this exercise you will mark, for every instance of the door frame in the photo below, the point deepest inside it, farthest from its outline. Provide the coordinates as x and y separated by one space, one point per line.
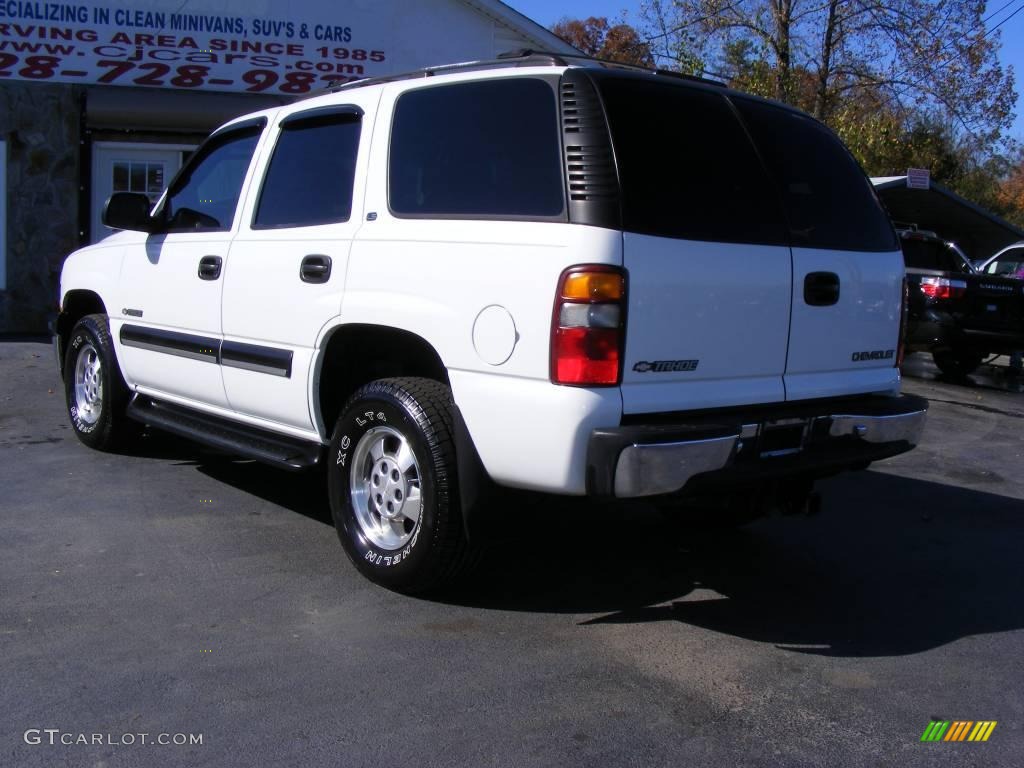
3 215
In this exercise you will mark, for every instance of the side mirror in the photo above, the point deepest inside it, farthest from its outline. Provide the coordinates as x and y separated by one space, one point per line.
128 210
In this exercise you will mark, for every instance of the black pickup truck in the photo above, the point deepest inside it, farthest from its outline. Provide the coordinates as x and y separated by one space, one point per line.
958 314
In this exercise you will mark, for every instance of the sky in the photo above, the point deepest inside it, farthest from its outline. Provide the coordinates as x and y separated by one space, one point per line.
547 12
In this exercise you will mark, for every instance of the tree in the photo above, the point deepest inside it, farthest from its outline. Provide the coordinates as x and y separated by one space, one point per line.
1010 194
930 57
597 37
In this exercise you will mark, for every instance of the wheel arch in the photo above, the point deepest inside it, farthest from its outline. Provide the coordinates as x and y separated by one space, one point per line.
353 354
75 305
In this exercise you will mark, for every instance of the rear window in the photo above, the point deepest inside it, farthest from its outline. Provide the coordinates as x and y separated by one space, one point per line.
828 201
686 167
930 254
487 149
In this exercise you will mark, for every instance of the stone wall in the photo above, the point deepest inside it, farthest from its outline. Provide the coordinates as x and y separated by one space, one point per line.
40 124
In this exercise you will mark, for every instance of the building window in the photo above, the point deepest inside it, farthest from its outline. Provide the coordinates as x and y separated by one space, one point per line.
145 177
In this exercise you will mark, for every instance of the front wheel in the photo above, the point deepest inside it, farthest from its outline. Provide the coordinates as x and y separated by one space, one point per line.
393 485
94 389
956 363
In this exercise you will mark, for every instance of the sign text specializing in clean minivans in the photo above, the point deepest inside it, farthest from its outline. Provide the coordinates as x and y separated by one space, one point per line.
113 45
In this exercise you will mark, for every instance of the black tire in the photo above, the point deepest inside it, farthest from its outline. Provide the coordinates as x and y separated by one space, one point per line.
956 363
107 427
433 549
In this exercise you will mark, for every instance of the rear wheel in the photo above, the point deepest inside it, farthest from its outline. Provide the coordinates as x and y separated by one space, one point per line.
956 363
393 485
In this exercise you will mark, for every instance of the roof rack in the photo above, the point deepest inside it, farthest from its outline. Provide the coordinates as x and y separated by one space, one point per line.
524 57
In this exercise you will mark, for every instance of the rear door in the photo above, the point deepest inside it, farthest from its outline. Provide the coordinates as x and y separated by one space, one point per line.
847 265
705 251
288 262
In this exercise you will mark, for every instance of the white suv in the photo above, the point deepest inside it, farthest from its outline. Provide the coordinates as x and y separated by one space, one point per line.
542 272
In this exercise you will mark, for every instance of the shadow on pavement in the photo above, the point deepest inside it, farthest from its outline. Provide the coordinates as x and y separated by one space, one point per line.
997 376
893 566
302 492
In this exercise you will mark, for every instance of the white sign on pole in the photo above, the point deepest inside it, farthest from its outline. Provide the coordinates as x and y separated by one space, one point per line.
918 178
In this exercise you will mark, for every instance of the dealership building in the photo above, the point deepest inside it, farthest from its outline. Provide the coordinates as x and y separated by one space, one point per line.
101 96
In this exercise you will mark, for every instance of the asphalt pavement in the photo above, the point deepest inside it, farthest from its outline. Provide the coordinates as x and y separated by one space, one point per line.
178 592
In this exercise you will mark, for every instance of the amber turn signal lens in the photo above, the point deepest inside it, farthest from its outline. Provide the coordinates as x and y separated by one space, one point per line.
593 286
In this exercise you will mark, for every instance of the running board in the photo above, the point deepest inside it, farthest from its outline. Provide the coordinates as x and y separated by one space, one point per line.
230 436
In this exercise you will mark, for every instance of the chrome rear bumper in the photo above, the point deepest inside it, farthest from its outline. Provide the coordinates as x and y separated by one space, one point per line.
649 460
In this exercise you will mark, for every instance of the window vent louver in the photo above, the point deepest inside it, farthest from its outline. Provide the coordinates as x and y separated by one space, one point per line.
591 176
580 115
591 173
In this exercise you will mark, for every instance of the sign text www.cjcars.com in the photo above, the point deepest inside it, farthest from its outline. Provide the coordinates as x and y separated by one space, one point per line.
91 43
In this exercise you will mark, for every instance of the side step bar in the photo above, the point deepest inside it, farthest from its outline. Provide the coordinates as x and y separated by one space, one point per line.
229 436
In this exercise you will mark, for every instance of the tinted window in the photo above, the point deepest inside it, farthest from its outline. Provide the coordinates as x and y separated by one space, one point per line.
487 148
828 200
205 194
686 167
310 176
930 254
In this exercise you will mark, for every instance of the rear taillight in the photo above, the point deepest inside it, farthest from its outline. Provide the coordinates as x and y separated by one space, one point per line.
901 346
942 288
588 326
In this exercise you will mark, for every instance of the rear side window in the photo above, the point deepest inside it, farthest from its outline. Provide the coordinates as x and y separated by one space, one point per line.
828 201
930 254
482 149
310 176
686 167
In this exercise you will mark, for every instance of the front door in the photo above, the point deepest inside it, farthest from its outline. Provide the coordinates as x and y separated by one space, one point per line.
169 331
120 167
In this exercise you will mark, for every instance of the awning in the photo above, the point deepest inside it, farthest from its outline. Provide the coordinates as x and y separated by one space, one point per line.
978 232
169 110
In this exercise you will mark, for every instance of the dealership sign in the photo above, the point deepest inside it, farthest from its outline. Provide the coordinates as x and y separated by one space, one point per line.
177 47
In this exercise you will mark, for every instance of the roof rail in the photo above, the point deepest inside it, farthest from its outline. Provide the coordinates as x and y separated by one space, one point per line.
563 59
524 57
